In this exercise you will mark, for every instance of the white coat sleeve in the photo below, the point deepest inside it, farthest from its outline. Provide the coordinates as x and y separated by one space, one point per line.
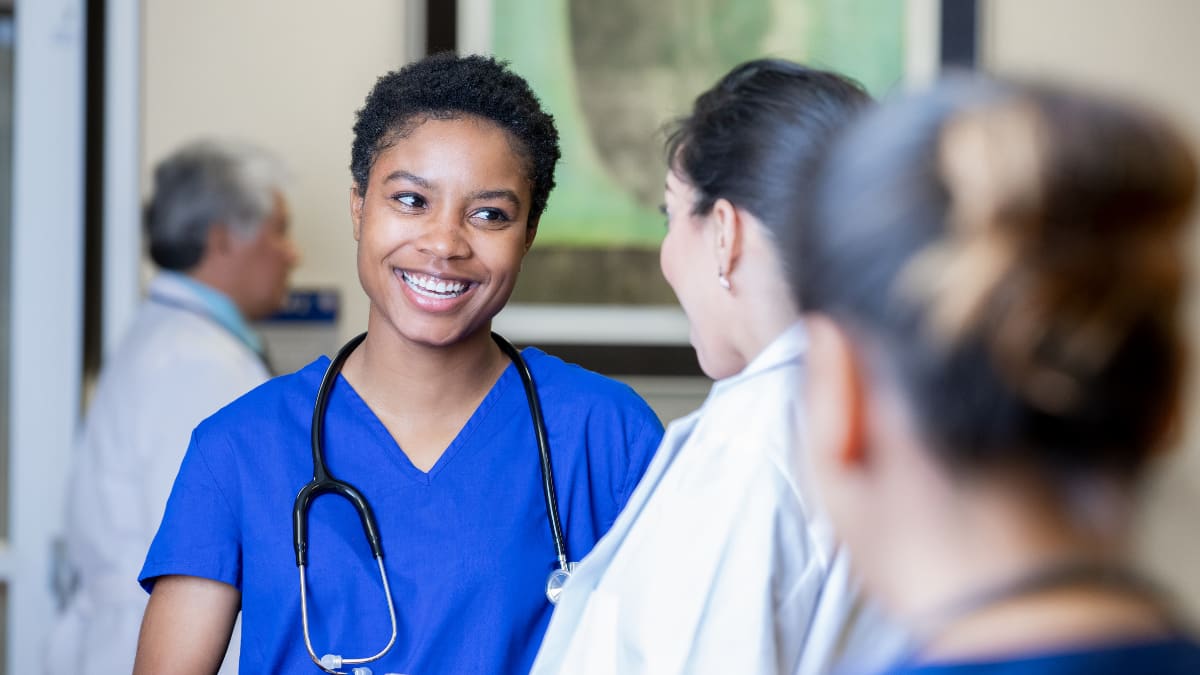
766 590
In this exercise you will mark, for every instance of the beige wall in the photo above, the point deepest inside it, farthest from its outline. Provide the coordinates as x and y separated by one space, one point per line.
1147 50
288 75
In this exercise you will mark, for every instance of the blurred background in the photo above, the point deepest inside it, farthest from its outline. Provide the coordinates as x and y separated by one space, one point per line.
94 92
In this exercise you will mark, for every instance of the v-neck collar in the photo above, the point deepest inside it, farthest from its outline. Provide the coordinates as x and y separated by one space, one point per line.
462 439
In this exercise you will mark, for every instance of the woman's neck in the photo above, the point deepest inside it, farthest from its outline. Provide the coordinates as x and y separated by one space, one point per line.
764 325
762 310
1075 615
987 584
395 374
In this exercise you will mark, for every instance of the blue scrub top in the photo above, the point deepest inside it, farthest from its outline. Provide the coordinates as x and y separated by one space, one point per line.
467 545
1175 656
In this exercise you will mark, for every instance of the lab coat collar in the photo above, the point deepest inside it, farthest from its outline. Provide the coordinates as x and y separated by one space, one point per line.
189 294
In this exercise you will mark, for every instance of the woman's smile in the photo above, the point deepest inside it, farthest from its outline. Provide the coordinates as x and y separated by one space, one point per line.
435 294
434 287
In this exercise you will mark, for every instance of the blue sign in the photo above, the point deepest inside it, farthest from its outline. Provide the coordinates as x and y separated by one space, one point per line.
309 305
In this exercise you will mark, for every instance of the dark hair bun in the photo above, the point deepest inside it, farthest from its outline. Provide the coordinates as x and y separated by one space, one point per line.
1065 221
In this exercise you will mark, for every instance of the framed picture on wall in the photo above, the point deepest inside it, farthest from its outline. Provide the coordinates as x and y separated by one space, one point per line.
614 73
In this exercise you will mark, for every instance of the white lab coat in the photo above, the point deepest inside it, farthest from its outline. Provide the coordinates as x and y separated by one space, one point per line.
174 368
719 564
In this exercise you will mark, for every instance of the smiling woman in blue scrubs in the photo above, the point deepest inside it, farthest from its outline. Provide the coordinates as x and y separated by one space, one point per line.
452 164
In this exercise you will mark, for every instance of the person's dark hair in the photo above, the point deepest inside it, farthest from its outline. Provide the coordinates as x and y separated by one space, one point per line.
755 137
1011 257
203 184
446 86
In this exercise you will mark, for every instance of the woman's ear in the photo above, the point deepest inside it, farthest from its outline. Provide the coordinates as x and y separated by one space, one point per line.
835 397
728 231
356 207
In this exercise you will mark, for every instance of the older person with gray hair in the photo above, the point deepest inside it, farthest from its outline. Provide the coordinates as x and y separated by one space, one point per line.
217 229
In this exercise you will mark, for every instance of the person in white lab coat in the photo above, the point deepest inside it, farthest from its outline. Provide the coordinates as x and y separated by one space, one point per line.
719 563
217 226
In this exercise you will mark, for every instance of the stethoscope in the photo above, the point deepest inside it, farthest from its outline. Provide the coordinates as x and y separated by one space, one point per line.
323 482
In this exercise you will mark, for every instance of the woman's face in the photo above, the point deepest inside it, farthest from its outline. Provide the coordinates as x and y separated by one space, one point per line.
442 228
689 263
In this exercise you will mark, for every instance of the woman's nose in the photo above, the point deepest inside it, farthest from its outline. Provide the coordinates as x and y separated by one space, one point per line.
443 238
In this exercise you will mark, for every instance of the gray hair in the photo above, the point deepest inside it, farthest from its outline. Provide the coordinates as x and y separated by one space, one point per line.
205 183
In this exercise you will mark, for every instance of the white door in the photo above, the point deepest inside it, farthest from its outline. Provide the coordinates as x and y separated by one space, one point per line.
41 293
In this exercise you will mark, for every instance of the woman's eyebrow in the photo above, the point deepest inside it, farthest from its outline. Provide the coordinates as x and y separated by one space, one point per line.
496 194
410 177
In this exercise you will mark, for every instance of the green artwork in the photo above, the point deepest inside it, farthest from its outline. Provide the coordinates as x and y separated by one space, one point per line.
614 71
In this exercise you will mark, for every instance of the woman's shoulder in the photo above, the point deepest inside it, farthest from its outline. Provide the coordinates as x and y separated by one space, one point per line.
572 384
1176 656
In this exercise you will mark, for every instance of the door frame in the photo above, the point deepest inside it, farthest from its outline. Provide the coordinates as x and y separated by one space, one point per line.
46 317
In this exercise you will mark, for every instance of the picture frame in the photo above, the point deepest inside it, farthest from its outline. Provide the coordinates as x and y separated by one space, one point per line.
613 72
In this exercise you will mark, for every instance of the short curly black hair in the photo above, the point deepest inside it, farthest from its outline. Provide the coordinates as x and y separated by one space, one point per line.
447 86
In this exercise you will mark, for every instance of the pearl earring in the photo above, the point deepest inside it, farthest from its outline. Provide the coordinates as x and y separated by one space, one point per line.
723 280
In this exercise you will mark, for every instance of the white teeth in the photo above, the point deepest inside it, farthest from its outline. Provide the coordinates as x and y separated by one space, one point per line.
432 286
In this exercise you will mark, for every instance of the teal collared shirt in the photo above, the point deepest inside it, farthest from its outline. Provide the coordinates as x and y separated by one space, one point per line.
222 310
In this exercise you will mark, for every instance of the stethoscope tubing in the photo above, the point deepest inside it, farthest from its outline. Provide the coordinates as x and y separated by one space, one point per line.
543 443
333 666
323 482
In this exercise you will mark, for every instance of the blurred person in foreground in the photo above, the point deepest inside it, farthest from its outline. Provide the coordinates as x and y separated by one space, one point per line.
719 564
993 274
217 226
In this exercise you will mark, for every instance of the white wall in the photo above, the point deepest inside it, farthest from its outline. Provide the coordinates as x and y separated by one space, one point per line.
288 75
1149 51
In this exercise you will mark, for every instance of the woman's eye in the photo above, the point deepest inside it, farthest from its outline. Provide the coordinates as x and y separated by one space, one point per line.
411 200
492 215
662 208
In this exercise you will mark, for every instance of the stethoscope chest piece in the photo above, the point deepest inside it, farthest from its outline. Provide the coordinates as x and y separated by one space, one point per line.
556 581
